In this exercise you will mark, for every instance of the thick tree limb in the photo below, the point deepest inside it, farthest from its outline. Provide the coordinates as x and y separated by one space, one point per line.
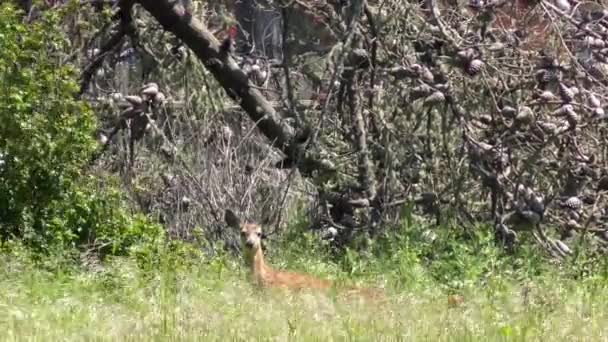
174 18
364 165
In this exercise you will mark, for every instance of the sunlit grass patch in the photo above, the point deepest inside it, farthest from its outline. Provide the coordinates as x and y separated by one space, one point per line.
199 303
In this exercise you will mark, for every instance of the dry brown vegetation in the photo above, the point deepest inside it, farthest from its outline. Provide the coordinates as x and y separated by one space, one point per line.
453 108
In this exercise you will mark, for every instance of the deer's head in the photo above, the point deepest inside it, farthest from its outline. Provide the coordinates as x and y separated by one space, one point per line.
251 233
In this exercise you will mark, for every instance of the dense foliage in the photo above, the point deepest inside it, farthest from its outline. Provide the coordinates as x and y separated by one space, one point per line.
453 108
451 165
45 135
325 130
48 198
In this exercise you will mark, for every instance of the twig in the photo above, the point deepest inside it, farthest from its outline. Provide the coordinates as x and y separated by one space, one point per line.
124 14
285 65
96 63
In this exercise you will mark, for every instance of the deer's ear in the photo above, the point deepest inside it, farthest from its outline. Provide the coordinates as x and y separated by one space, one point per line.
231 219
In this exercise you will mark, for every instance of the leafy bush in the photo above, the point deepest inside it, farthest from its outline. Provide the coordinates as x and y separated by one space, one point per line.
46 135
46 141
96 212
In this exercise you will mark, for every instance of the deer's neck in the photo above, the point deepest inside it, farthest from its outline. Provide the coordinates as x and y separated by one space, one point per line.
258 266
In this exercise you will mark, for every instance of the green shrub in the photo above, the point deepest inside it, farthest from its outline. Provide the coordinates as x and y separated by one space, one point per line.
96 212
46 135
47 198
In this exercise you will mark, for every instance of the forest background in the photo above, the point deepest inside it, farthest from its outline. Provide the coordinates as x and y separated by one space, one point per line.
451 153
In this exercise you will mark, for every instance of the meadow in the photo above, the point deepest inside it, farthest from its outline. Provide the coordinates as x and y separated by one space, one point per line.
190 297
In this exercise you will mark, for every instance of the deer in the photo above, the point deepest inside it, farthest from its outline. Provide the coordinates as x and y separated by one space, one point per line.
265 276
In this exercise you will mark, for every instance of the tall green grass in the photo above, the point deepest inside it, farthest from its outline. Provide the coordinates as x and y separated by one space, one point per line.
506 298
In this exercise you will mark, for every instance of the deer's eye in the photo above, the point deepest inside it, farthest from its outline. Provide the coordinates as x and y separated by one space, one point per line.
259 234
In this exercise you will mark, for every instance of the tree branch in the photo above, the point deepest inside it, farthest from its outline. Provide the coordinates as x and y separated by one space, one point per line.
124 14
174 18
97 61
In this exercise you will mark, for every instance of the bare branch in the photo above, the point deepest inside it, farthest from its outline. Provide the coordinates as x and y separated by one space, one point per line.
174 18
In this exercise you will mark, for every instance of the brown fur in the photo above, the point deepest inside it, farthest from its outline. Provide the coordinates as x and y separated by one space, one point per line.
455 300
267 277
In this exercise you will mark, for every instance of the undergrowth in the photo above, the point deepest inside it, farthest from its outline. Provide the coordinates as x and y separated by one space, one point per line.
178 293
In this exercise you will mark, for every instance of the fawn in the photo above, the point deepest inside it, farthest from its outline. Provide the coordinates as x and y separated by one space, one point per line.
267 277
